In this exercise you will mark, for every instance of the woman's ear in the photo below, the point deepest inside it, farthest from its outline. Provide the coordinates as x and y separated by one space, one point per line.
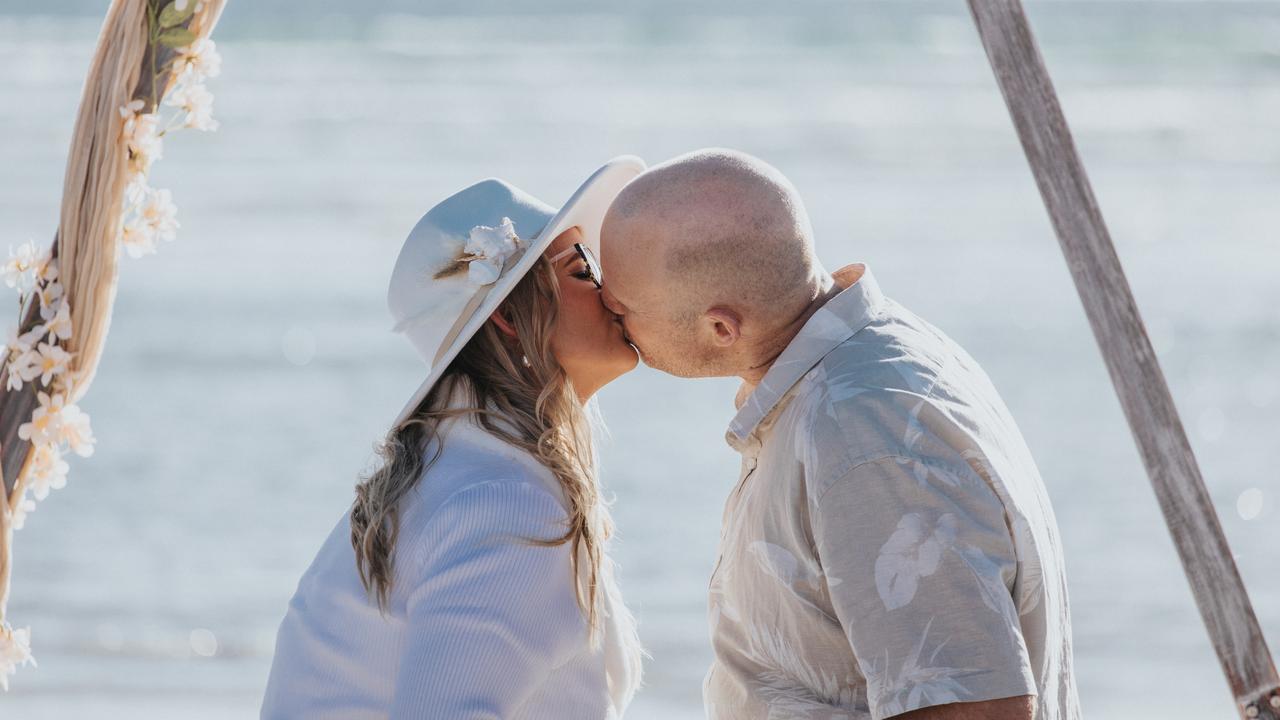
503 324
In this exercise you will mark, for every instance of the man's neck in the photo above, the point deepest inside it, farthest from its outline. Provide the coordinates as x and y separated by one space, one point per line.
827 289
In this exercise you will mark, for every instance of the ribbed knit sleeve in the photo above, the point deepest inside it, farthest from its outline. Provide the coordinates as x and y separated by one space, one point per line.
490 614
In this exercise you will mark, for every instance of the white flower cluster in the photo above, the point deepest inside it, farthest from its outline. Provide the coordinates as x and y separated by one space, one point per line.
149 214
15 651
56 426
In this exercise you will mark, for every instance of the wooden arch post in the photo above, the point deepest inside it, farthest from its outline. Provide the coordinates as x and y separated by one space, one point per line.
131 71
1140 384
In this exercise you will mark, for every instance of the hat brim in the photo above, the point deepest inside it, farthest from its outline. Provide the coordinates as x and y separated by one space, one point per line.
585 209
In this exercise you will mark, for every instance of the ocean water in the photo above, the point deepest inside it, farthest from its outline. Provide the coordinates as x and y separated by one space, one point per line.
250 368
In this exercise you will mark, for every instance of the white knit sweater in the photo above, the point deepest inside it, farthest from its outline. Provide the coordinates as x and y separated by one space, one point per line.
480 623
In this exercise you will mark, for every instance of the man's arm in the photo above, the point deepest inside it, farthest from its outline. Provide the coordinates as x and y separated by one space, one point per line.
1015 708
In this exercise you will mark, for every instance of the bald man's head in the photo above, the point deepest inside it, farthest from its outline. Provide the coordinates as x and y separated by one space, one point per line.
702 241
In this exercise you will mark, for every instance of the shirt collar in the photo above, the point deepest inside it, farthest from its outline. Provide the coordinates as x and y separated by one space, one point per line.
836 321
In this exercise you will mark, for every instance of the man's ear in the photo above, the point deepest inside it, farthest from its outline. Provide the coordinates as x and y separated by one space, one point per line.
504 325
725 326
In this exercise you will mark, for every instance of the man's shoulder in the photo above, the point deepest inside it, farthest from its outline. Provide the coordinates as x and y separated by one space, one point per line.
875 396
843 422
898 351
870 381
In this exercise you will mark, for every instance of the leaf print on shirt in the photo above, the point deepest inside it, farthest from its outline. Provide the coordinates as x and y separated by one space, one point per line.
718 604
911 437
995 594
918 470
1030 573
987 572
915 685
779 563
842 388
825 326
791 685
915 430
798 579
922 471
912 552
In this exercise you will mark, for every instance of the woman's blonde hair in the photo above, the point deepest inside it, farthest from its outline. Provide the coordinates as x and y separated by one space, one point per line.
535 399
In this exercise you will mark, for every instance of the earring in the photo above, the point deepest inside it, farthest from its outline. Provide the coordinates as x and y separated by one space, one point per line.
524 360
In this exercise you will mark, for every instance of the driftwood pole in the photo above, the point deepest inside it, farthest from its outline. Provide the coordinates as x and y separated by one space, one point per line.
1113 314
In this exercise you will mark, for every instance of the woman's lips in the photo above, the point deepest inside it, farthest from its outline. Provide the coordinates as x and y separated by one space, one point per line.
623 329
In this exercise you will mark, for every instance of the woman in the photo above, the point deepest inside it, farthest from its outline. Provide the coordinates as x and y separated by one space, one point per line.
469 579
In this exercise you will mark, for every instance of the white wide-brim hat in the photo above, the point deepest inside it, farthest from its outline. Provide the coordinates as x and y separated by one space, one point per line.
466 254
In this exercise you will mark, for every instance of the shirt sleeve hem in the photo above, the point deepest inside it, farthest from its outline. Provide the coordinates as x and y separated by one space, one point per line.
933 694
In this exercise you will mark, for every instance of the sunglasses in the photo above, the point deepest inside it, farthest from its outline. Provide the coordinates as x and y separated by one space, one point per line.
588 257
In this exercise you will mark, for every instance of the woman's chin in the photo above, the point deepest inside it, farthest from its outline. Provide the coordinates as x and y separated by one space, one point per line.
627 359
622 362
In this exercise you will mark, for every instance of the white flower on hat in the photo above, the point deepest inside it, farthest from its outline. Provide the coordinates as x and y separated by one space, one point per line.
487 250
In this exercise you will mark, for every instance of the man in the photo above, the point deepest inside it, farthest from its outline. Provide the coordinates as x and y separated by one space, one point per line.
889 549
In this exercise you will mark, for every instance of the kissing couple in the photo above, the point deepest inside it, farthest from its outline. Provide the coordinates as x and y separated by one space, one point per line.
889 549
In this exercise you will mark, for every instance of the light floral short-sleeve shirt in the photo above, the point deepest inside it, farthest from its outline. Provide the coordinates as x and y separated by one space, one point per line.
890 545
